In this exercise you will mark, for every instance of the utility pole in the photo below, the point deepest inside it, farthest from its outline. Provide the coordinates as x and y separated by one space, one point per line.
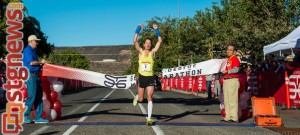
178 9
179 22
191 58
178 25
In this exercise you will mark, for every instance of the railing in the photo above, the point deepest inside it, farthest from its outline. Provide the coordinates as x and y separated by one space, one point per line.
260 84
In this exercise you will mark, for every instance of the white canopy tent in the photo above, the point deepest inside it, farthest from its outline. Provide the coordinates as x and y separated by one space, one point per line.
292 40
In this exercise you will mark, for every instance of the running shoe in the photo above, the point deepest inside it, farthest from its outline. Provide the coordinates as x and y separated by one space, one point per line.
27 120
149 122
40 120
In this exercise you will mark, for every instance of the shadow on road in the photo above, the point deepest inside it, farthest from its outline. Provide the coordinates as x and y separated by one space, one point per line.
50 133
164 118
190 101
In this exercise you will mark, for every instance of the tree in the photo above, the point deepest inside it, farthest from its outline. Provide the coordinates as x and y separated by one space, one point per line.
250 24
3 4
69 58
31 26
293 12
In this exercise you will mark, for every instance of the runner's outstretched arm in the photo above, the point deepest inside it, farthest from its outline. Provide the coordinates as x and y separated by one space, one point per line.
159 41
136 34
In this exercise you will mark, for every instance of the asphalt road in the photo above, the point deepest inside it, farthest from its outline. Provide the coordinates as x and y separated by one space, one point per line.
110 111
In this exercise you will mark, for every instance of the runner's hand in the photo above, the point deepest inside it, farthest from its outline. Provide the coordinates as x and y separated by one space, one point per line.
157 32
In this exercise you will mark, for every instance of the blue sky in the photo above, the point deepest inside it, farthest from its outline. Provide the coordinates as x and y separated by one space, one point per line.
103 22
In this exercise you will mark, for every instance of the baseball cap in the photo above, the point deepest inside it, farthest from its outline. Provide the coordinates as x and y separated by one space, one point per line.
289 58
33 37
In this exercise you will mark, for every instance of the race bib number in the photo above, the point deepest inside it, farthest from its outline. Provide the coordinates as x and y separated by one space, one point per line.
145 67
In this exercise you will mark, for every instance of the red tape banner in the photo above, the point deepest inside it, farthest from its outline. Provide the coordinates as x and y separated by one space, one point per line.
118 82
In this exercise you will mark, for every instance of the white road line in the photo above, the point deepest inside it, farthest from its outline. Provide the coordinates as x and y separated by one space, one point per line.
44 128
40 130
71 129
156 128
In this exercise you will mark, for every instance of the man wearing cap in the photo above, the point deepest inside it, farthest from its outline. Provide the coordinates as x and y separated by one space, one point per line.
34 86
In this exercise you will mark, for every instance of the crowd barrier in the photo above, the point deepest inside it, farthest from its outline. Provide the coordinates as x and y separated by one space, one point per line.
69 86
260 84
187 83
285 89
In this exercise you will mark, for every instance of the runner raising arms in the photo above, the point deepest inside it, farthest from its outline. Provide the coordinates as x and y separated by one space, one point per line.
146 75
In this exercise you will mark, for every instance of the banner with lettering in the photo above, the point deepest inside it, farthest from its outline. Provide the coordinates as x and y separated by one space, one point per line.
294 81
118 82
203 68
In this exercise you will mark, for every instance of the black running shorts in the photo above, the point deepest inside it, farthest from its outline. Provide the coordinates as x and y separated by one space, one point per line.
145 81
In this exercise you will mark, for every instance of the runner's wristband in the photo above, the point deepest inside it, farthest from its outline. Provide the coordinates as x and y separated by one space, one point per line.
157 32
138 29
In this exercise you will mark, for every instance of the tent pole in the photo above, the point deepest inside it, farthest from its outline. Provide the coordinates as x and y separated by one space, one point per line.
280 53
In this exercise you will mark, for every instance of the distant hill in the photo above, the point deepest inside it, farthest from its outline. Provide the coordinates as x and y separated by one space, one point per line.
96 54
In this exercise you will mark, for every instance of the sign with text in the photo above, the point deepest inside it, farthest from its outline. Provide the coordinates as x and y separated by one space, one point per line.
203 68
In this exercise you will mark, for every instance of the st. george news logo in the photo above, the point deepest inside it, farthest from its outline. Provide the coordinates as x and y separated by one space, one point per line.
16 74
